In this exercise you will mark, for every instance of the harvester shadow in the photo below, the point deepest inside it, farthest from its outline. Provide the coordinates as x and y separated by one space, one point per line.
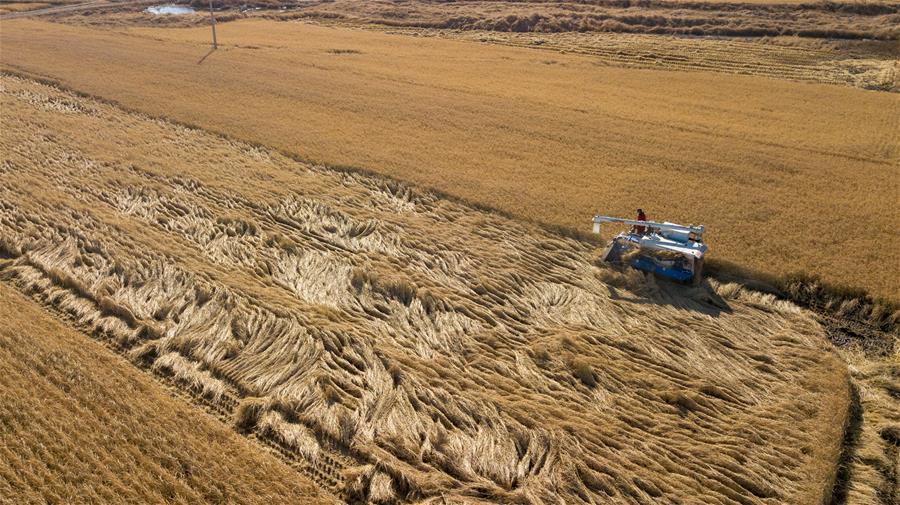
701 298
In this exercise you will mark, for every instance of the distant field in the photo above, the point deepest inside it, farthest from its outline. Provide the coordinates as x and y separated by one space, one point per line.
80 425
872 20
860 20
392 345
21 6
787 176
867 65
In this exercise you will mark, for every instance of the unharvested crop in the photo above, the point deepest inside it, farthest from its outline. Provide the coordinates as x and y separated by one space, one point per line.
79 425
828 42
401 347
869 65
788 177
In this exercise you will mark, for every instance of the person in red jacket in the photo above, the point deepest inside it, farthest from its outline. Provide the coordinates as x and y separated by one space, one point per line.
640 217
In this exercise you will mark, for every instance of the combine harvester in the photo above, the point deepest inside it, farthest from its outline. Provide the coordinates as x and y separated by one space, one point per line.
669 250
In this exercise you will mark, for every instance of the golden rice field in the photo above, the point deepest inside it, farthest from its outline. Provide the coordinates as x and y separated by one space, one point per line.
659 35
788 177
391 345
867 65
342 258
80 425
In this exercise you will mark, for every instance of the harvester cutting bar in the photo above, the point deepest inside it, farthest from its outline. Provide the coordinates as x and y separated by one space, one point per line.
679 228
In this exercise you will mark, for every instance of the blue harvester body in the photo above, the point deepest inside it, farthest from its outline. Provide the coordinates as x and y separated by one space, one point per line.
669 250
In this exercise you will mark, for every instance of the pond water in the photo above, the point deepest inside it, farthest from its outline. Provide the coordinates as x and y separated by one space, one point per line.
169 9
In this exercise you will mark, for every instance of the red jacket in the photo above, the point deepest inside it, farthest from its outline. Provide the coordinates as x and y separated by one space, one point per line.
641 217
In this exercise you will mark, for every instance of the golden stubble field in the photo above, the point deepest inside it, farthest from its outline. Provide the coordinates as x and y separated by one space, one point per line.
787 176
384 340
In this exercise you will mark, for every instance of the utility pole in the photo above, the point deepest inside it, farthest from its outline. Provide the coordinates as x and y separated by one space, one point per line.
212 20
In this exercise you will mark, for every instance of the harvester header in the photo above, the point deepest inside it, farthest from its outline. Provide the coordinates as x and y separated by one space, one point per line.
670 250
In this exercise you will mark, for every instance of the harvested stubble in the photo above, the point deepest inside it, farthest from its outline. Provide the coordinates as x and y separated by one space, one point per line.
412 347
